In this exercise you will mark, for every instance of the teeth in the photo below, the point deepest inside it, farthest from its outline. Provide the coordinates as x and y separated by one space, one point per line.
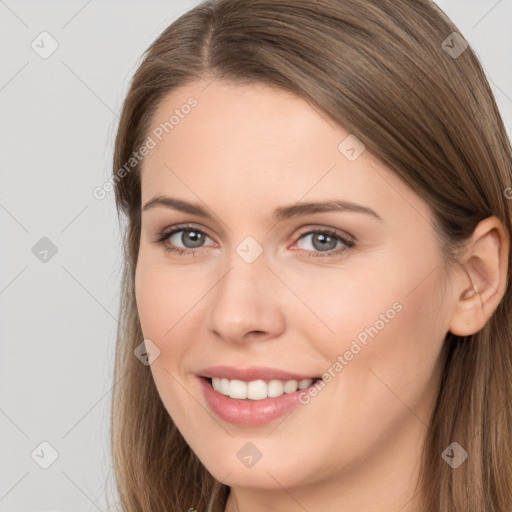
257 389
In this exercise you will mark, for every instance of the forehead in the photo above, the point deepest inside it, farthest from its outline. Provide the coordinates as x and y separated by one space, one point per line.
246 120
255 145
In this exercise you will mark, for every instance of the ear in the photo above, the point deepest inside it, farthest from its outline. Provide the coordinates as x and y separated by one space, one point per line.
481 284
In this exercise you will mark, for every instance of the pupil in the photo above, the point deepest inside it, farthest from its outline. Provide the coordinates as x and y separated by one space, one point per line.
196 235
324 241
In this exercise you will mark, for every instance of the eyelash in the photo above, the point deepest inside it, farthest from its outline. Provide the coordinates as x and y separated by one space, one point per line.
164 236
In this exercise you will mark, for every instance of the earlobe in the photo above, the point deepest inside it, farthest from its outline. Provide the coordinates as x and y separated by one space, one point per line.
481 286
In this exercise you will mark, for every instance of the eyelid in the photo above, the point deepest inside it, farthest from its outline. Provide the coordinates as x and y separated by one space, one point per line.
319 227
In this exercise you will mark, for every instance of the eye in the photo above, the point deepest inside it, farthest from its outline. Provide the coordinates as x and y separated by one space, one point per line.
323 240
189 236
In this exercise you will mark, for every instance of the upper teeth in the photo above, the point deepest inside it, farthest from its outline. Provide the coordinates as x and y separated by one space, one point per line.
257 389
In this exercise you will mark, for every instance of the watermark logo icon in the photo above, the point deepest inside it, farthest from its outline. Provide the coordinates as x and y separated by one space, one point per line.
44 455
249 455
455 45
146 352
351 147
249 249
44 250
44 45
455 455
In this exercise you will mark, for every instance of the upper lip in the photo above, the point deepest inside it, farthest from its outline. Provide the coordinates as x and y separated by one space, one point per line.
252 373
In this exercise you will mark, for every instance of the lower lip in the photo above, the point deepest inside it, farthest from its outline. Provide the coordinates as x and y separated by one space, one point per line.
249 412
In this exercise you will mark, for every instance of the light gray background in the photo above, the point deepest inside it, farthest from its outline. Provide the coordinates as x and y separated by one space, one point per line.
58 318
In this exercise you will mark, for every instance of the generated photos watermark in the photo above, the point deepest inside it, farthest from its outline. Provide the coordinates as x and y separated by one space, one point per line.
158 133
355 348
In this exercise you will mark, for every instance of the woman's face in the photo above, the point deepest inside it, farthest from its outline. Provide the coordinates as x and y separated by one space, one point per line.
364 302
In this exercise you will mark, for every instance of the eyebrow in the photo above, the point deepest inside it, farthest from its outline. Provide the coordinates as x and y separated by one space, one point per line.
281 213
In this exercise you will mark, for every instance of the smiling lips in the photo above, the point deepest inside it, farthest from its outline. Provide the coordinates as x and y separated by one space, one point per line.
255 383
252 396
258 389
252 374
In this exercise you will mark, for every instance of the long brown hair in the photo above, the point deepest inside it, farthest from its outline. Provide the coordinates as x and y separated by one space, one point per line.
397 74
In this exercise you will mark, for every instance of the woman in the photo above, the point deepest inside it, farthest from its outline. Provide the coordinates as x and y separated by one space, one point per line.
317 250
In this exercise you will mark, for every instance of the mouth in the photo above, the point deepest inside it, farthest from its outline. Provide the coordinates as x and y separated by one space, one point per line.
258 389
253 403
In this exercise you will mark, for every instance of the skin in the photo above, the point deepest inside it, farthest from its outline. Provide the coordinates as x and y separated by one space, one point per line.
243 151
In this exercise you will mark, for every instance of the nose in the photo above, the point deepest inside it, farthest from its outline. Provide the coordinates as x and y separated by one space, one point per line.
245 303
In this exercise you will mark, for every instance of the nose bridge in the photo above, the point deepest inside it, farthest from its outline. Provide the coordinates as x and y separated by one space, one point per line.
245 299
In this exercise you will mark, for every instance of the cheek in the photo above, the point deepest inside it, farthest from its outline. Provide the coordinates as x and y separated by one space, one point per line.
391 350
161 299
162 317
150 302
166 306
336 306
385 323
